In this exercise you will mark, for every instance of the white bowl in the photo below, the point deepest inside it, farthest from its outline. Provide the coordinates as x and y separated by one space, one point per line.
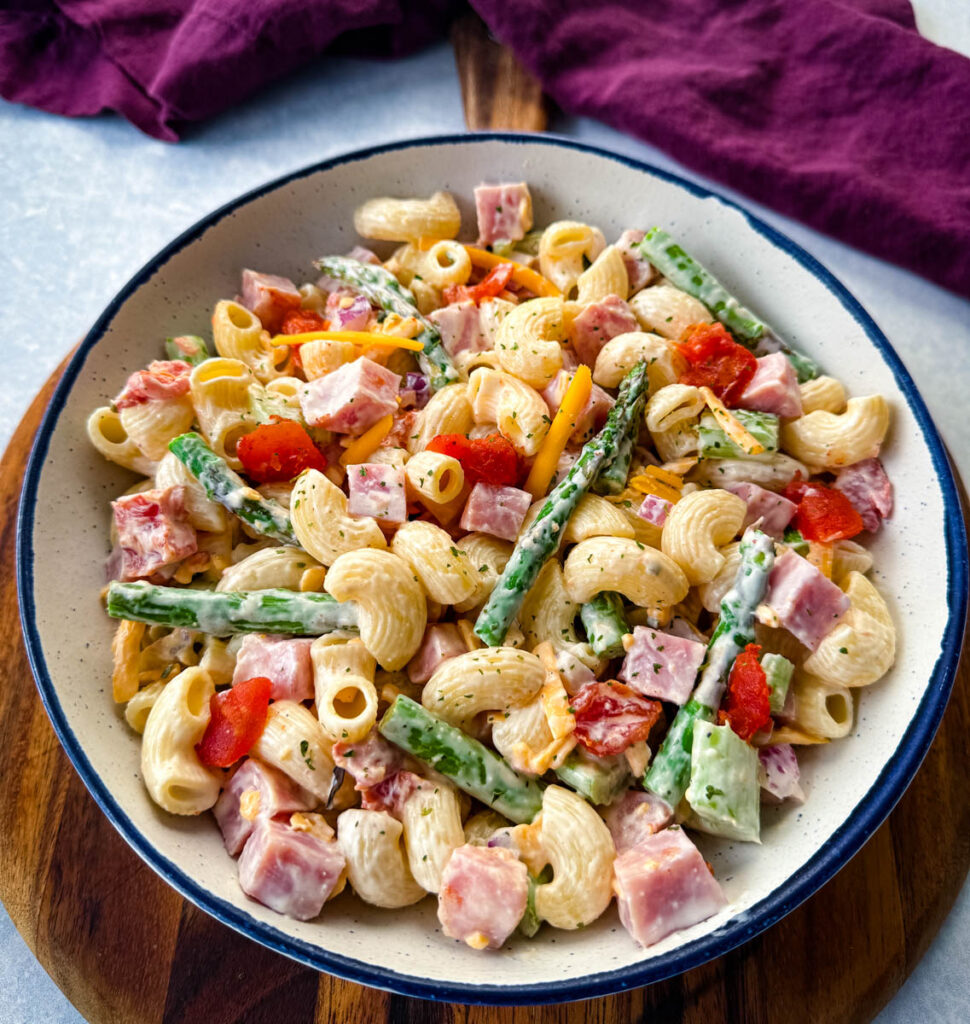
920 564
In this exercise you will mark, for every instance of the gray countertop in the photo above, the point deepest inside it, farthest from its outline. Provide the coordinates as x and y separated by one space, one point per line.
84 204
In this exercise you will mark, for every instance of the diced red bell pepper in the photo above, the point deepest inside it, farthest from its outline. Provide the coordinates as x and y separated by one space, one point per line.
493 283
301 321
610 717
823 514
490 460
278 451
747 705
717 361
237 718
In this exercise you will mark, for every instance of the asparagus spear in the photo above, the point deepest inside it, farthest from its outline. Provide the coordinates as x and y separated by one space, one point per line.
190 348
605 623
599 779
384 290
223 612
228 488
687 274
542 538
669 774
470 765
613 476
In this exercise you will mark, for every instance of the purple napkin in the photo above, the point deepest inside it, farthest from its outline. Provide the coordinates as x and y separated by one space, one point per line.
832 111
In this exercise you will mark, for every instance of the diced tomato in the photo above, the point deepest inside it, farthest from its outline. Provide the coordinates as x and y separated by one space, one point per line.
301 321
610 717
490 460
717 361
493 283
747 707
823 514
237 717
278 451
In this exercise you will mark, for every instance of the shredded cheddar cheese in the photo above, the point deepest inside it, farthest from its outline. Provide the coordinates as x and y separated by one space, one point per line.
822 556
665 476
651 485
573 403
731 425
368 442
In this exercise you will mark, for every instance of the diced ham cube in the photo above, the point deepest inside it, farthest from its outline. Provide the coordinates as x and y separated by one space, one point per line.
392 793
284 661
499 511
164 379
363 255
351 398
866 485
567 460
348 312
778 774
504 212
289 871
377 490
483 895
593 414
270 297
635 816
442 640
639 269
662 884
256 791
153 532
773 388
573 671
460 326
774 511
597 324
662 665
369 761
654 509
807 604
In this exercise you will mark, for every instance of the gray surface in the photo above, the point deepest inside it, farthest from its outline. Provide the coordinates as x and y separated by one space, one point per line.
83 204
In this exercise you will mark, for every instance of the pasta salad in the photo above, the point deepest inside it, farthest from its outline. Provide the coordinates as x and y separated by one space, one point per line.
490 571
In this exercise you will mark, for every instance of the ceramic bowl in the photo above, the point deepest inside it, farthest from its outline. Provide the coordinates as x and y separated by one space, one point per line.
920 564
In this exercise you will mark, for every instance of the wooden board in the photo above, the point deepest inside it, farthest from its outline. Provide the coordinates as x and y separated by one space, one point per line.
127 949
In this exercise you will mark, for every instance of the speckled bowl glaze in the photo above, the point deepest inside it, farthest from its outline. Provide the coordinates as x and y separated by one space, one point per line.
920 565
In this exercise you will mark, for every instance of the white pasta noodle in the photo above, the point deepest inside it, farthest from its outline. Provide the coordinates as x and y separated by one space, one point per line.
152 424
294 741
711 592
825 440
322 524
203 513
488 556
107 433
668 311
773 471
238 334
447 263
528 341
432 832
448 412
325 355
563 248
139 707
434 476
377 866
606 276
519 411
174 777
697 527
408 220
445 571
620 354
825 393
267 569
221 393
218 659
848 556
821 708
673 405
343 682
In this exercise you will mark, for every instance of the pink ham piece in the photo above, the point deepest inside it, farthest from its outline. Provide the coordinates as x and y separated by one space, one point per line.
773 388
347 312
289 871
635 816
807 604
483 895
866 485
662 665
593 414
351 398
164 379
774 511
363 255
270 297
575 674
597 324
377 490
256 791
369 761
662 884
153 532
567 460
442 641
654 509
392 793
460 326
285 662
639 269
499 511
504 212
778 774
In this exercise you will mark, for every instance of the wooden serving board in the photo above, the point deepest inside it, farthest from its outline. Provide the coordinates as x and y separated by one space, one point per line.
127 949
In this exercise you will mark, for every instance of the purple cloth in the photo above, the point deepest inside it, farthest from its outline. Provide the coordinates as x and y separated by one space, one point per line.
835 112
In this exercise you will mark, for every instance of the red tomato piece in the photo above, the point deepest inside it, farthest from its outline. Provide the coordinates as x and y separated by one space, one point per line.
237 717
823 514
747 706
278 451
610 717
717 361
301 321
490 460
493 283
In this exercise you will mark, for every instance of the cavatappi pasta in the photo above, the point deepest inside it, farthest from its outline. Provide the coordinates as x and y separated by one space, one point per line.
440 557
